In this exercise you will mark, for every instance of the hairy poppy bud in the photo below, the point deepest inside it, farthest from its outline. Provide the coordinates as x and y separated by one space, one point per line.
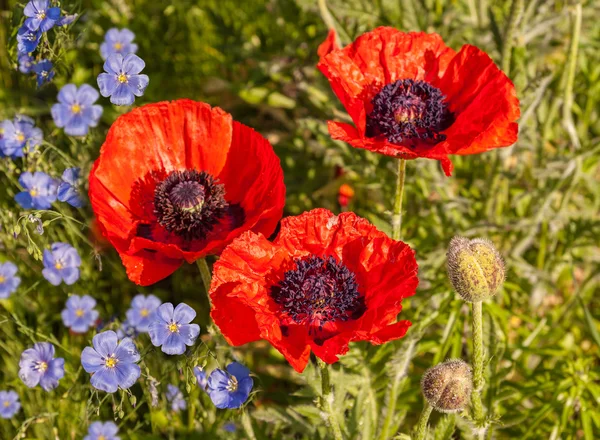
447 386
475 268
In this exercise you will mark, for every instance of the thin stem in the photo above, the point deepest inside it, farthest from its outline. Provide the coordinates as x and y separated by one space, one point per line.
516 10
567 109
423 421
328 20
205 275
478 380
397 213
247 424
327 400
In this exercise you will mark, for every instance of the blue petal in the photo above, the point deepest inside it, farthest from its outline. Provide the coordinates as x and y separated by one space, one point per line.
87 302
52 275
127 374
24 199
105 343
165 312
87 95
218 379
183 314
53 13
158 333
61 114
45 351
127 352
29 376
173 344
30 9
55 372
189 333
77 126
107 83
221 399
91 360
68 94
132 64
138 84
126 36
70 275
114 64
238 370
122 95
105 379
104 50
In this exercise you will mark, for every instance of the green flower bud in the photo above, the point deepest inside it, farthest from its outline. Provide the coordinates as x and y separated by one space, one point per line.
447 386
475 268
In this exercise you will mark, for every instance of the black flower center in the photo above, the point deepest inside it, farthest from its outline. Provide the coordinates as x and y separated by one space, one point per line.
189 203
409 112
318 291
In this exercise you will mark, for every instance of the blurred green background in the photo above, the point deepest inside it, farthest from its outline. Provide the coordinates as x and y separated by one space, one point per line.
538 201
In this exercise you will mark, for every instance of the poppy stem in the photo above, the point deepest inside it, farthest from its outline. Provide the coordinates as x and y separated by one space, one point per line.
423 421
205 275
478 380
397 212
516 10
247 424
327 399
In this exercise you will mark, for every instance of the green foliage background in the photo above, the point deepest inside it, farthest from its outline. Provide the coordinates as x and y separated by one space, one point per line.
538 201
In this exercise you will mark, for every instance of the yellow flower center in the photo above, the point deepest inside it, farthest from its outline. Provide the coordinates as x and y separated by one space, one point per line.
122 78
2 279
144 312
79 312
20 137
33 192
101 437
118 46
42 366
75 108
111 361
42 15
173 327
6 403
58 265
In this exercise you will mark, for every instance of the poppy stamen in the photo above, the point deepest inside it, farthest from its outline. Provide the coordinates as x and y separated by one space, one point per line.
318 291
189 203
409 112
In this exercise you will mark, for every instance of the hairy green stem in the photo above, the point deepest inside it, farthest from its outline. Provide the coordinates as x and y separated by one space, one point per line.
516 10
423 421
478 380
205 275
397 212
328 20
247 424
327 400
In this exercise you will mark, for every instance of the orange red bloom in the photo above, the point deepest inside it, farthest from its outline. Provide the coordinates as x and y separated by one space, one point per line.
176 181
325 281
409 95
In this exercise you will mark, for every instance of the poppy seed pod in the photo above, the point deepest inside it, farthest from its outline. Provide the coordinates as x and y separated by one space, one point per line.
447 386
475 268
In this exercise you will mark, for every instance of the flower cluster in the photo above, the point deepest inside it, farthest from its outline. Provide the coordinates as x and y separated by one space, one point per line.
19 136
40 190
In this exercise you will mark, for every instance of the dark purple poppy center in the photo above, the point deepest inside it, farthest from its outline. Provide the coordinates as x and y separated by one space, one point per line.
409 112
318 291
189 203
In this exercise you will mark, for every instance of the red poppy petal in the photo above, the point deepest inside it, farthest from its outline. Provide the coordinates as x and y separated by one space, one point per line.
329 45
484 102
146 268
235 319
391 332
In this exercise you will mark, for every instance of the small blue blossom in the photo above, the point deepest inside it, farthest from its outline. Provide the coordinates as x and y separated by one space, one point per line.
8 279
122 81
102 431
40 190
67 20
111 362
68 189
75 110
25 63
27 40
142 311
230 389
20 135
79 313
175 398
230 427
40 15
38 366
201 378
126 330
61 263
172 330
44 72
9 404
118 41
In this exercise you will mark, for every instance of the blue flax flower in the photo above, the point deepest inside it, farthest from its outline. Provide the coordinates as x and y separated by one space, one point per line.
8 279
118 41
200 374
175 398
9 404
40 15
111 362
122 81
40 190
25 63
67 20
75 110
68 189
229 427
44 72
20 135
231 388
102 431
126 330
172 330
61 263
38 366
79 313
27 40
142 312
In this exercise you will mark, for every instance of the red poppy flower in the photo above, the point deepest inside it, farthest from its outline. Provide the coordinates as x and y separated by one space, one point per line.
176 181
325 281
409 96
